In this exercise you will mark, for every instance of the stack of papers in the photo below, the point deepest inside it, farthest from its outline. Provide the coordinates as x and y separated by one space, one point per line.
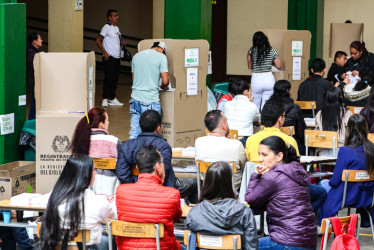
188 169
23 199
310 121
189 151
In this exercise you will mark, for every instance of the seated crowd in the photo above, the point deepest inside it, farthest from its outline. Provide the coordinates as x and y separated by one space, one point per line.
143 187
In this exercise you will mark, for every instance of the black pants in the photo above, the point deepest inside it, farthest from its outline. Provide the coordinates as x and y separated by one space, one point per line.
111 71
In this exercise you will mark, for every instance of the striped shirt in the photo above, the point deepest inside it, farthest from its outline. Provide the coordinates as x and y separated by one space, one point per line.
265 65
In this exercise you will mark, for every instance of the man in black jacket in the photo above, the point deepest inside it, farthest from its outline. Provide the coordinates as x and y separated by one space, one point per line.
315 87
150 123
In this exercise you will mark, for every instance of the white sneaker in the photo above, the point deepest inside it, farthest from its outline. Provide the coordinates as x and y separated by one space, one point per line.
115 102
104 103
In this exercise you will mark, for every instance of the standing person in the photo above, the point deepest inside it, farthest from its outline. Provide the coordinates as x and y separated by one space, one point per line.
109 42
280 186
73 206
147 68
35 42
218 212
260 59
361 60
91 137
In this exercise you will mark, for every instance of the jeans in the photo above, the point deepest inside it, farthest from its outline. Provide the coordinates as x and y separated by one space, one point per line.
244 140
111 71
267 243
317 196
136 109
11 235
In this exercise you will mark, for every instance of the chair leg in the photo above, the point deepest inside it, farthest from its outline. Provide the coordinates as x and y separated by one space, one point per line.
326 235
262 224
371 222
110 236
349 211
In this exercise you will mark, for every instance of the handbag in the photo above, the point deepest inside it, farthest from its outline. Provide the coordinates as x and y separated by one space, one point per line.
126 56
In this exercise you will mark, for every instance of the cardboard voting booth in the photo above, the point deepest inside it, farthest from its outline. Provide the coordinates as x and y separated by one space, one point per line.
64 91
185 106
293 47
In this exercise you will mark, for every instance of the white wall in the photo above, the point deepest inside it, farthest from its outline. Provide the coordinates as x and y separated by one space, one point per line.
244 17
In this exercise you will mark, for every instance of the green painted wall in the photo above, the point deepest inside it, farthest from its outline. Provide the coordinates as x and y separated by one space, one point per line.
12 73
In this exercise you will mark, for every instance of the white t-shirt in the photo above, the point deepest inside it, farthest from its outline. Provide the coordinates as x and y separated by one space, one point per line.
111 42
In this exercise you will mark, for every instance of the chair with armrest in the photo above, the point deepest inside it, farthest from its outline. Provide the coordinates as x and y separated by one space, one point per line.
354 109
202 167
307 105
288 130
83 237
326 228
214 242
105 163
357 176
134 230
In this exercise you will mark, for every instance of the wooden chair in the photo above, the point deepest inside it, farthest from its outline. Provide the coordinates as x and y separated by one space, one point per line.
307 105
326 228
83 236
105 163
134 230
288 130
354 109
371 137
233 133
357 176
202 167
134 170
321 139
214 242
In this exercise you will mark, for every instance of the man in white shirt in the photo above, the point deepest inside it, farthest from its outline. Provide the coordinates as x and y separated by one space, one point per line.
110 41
218 147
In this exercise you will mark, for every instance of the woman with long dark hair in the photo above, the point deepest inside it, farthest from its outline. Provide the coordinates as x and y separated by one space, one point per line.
333 116
357 154
91 137
361 60
73 206
35 43
368 112
280 186
218 212
261 56
294 115
358 94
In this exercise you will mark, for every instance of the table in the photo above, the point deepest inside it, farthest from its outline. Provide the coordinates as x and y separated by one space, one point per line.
185 209
177 155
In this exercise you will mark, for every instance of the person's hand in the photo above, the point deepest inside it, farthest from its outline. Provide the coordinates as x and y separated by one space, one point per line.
124 43
346 80
164 87
106 56
337 84
251 98
244 202
13 214
343 76
262 169
111 198
355 73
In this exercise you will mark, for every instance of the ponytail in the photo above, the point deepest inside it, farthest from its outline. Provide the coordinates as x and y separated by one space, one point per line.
277 145
291 155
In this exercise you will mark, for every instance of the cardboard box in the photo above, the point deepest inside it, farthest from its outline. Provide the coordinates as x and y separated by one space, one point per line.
64 91
282 40
16 178
343 34
183 115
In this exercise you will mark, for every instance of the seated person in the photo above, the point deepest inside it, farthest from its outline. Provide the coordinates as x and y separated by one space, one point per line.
11 235
280 186
218 147
241 112
227 97
294 115
151 124
333 117
73 206
358 94
356 154
148 201
91 137
217 200
368 112
315 87
336 70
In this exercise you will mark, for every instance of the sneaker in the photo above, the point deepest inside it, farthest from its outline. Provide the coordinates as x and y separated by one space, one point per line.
115 102
104 103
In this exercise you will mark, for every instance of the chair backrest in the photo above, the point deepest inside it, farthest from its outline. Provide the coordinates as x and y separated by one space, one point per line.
288 130
371 137
134 230
307 105
135 170
234 134
321 139
354 109
214 242
355 176
105 163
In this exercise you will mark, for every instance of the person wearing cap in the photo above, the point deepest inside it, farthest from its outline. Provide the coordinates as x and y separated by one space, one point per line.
148 66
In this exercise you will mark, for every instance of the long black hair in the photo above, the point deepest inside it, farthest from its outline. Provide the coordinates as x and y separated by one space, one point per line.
262 45
366 80
277 145
32 36
218 182
357 134
368 110
75 178
333 110
281 91
360 46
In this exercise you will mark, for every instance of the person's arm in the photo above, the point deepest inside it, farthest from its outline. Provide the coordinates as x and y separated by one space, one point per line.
165 80
277 63
99 43
257 117
166 154
123 167
250 231
259 190
249 61
342 162
242 157
178 208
